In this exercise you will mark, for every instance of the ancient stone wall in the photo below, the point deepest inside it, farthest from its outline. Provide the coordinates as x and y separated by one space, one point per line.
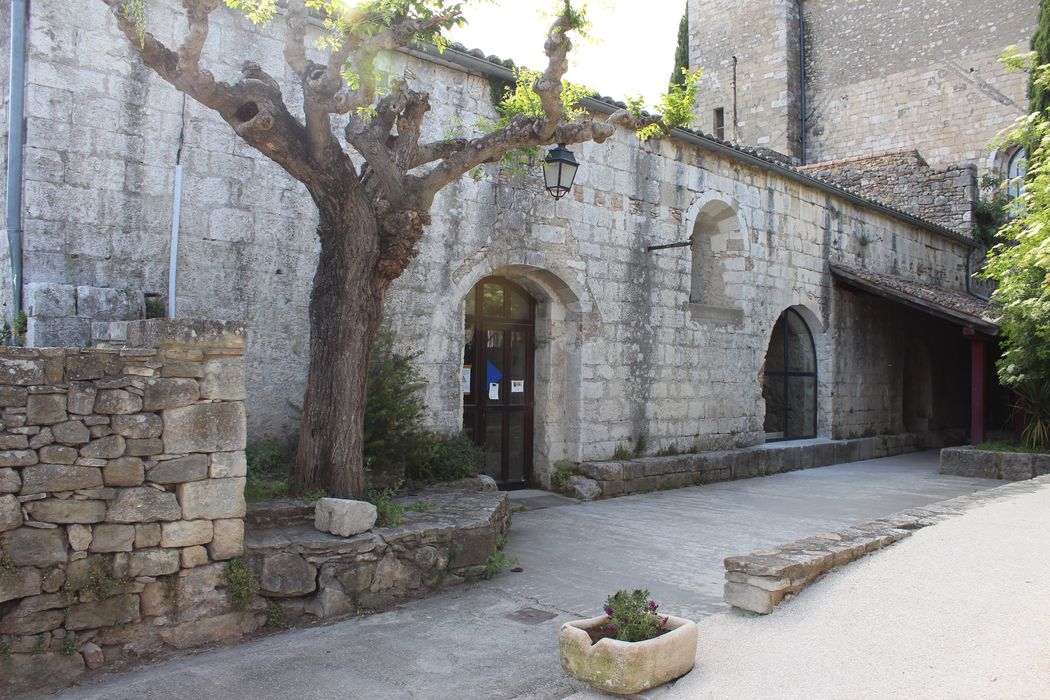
626 348
885 75
749 54
121 496
904 180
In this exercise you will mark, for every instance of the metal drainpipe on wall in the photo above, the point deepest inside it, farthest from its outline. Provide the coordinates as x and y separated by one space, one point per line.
16 94
176 215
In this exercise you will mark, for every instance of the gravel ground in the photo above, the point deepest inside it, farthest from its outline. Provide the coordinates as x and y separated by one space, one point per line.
958 610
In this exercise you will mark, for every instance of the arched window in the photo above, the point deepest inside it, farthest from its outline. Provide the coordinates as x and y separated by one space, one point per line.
789 383
1015 172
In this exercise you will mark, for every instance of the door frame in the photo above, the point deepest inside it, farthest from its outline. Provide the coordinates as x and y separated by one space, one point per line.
476 413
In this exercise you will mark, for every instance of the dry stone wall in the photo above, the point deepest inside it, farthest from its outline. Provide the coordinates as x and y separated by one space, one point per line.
121 496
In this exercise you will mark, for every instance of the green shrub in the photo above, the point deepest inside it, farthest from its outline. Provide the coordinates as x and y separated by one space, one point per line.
394 436
632 617
241 586
446 457
269 458
389 513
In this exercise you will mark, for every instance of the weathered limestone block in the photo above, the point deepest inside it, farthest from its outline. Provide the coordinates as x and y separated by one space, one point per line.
583 488
117 402
110 537
1015 466
186 533
227 539
10 481
93 655
10 513
213 427
108 304
24 672
124 471
108 447
143 504
70 510
344 517
147 535
18 458
145 447
474 547
19 622
13 442
80 399
27 546
156 599
392 573
201 592
169 392
193 557
212 499
117 610
13 396
24 371
174 471
46 409
180 368
210 629
72 432
20 583
50 300
58 454
756 600
45 478
286 575
43 438
330 602
138 425
79 537
223 379
153 562
227 464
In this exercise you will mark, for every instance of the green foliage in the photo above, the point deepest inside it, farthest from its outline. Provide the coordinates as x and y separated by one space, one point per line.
21 322
389 512
681 52
991 212
641 445
1033 399
135 10
258 11
69 644
241 586
1004 446
394 437
39 645
6 565
274 616
622 452
563 469
446 457
497 561
675 108
256 490
669 451
269 468
1038 94
632 616
521 98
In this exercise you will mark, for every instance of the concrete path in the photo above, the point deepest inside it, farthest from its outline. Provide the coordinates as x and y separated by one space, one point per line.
474 642
958 610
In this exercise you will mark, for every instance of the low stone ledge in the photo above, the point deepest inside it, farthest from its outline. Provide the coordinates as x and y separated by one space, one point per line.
619 478
993 464
317 575
759 581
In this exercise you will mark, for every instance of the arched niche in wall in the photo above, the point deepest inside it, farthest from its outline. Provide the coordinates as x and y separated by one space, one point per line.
717 235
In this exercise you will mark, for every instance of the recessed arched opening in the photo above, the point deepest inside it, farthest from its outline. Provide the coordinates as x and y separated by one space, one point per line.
497 377
1016 168
716 236
789 380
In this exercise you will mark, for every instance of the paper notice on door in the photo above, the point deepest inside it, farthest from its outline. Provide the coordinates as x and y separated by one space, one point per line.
464 378
517 386
493 391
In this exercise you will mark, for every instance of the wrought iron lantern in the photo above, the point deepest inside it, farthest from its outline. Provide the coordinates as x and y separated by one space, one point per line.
559 170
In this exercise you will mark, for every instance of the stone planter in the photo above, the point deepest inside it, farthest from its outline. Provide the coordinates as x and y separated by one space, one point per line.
627 667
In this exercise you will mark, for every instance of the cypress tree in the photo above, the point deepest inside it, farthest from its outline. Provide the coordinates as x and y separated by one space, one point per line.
681 52
1039 97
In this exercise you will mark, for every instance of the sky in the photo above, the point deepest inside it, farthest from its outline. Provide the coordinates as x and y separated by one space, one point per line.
630 50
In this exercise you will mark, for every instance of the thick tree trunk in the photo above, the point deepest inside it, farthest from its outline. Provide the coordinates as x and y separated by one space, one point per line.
346 310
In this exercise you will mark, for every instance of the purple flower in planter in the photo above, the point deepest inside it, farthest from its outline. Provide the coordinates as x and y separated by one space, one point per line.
612 629
608 610
653 606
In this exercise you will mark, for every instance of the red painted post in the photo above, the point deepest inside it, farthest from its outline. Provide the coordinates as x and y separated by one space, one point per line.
978 393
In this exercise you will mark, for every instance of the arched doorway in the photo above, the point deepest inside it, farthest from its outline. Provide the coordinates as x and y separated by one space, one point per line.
497 377
789 382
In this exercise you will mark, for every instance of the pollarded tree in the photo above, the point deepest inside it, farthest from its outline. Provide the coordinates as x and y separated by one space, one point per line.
371 216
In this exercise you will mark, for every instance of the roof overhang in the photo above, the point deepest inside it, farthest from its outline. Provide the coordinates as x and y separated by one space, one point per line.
943 304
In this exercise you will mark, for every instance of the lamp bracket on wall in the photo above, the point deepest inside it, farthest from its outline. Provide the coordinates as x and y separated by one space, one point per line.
679 244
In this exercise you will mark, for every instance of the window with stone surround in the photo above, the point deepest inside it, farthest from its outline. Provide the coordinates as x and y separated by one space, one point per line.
716 236
1015 172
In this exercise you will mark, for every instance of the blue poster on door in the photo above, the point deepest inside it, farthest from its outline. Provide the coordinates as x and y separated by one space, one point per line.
494 375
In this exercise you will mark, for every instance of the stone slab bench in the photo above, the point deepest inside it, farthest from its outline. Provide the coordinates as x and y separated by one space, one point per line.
759 581
310 573
617 478
993 464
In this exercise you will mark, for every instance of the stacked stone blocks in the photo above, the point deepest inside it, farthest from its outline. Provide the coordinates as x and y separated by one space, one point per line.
122 473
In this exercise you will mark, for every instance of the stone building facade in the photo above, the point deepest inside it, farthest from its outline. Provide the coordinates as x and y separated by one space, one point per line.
626 344
820 81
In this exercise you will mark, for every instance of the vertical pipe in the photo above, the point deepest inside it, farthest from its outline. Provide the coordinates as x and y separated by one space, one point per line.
977 389
802 79
15 140
176 215
736 136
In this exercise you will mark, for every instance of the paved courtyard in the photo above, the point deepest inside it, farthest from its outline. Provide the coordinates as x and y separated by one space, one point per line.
467 644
